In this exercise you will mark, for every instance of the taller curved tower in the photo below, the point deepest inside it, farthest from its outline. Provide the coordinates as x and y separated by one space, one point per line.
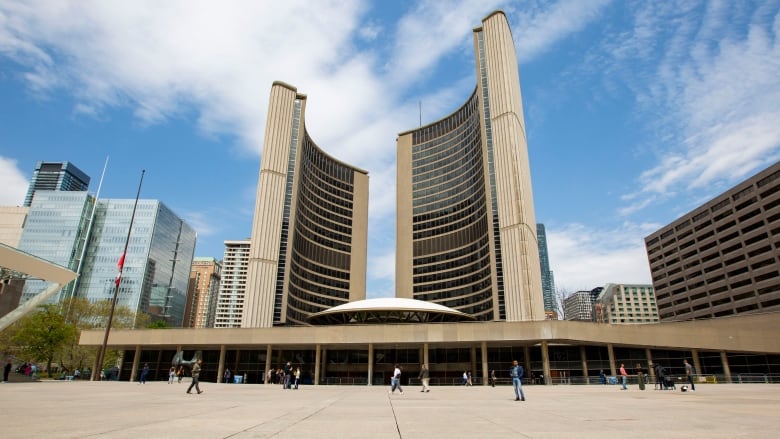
308 245
466 232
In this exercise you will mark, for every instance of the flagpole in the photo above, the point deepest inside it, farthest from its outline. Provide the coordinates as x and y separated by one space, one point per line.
121 264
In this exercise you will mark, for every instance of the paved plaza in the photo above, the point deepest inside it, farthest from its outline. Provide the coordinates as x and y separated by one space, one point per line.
159 410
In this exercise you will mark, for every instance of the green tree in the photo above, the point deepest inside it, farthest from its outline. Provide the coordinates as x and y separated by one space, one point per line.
41 334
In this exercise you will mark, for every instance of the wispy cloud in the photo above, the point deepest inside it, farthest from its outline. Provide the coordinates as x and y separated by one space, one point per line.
540 26
583 258
13 182
718 86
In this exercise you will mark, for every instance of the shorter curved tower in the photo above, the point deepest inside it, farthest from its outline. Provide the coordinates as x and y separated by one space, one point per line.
308 245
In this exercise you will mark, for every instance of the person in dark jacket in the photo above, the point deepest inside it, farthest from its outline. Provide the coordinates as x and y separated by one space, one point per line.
517 372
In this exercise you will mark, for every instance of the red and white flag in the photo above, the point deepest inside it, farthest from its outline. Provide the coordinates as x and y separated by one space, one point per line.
120 265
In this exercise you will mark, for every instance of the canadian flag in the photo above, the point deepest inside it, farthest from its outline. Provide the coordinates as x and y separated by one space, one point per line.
119 265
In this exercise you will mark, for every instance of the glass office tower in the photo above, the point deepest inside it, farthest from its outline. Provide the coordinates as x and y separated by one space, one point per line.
465 224
159 254
56 176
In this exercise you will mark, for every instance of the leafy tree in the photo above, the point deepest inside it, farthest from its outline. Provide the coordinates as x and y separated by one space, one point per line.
42 334
159 324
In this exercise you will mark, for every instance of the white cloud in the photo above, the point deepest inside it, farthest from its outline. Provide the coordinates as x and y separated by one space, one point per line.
540 28
583 258
718 87
13 182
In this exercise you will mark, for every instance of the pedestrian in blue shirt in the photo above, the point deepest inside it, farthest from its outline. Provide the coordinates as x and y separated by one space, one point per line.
517 372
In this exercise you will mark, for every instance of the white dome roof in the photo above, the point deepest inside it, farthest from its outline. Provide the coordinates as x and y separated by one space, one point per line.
388 310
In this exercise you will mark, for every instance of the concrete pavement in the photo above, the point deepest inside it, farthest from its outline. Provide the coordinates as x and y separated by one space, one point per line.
80 409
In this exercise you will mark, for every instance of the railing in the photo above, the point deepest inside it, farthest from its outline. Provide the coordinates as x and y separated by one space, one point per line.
744 378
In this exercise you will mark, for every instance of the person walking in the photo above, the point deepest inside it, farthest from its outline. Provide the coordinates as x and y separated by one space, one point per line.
689 373
493 378
395 381
195 377
623 377
602 377
171 375
6 371
424 378
144 374
640 376
660 378
517 372
297 377
287 374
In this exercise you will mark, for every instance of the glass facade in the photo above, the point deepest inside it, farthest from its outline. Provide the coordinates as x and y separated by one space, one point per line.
157 264
321 251
548 284
59 176
55 230
159 254
451 223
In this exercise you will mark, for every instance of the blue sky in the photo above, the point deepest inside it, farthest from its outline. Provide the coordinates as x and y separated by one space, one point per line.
636 111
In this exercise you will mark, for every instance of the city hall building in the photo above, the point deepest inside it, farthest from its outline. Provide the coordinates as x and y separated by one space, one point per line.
469 294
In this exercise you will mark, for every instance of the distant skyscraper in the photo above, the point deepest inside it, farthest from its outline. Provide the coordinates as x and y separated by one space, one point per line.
309 237
232 286
56 176
157 265
465 228
202 293
548 282
626 304
578 306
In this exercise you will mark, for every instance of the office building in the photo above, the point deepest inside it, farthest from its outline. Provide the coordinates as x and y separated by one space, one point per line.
626 304
56 176
465 227
548 281
310 231
202 293
722 258
158 260
233 284
578 306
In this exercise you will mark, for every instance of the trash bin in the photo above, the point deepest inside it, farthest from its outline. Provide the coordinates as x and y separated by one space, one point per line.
238 379
613 380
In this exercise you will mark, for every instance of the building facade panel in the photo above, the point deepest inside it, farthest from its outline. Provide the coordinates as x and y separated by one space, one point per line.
722 258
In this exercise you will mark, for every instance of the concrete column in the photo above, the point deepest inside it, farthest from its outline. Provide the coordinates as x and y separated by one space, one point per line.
696 362
527 361
473 358
136 361
650 364
584 360
221 367
234 368
485 373
724 359
546 363
268 353
370 364
611 353
317 354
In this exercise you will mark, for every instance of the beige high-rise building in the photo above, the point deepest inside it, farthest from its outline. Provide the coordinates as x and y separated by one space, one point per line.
310 232
202 293
466 232
12 219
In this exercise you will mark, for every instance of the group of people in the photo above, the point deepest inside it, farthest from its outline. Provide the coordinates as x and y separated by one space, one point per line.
516 372
288 376
662 381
